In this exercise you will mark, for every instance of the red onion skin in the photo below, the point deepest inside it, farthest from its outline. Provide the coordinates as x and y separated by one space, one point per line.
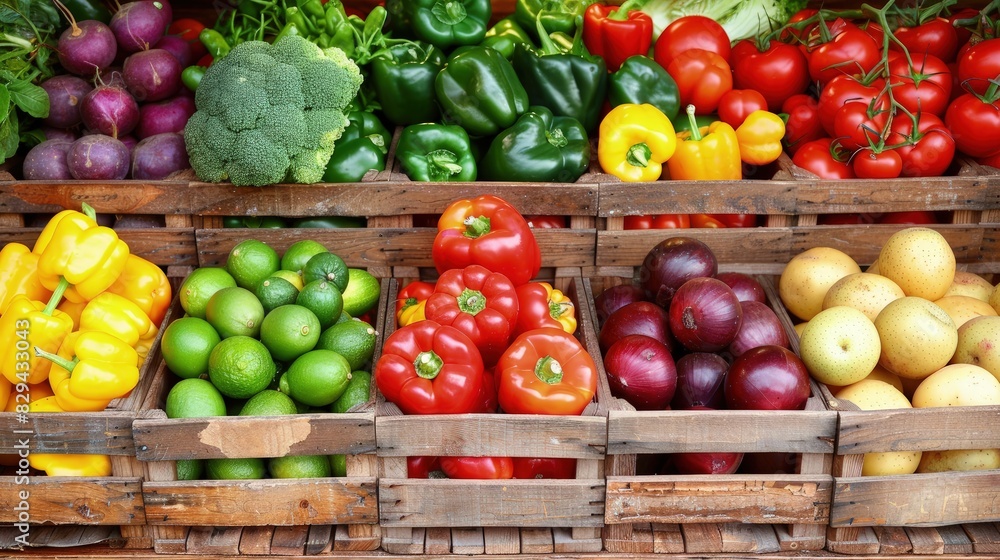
641 371
614 298
705 315
700 377
746 287
671 263
640 317
760 327
767 378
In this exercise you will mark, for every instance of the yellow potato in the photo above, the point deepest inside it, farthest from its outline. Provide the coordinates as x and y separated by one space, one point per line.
920 261
872 394
807 277
918 337
963 308
979 344
958 385
970 284
960 460
868 293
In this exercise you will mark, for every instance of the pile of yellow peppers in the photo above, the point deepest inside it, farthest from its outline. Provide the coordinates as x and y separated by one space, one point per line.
637 140
79 314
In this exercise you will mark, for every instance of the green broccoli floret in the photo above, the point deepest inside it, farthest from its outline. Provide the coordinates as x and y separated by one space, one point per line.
271 113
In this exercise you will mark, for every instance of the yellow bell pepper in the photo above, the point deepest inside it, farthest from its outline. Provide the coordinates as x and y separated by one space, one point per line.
74 250
412 313
25 327
561 308
101 367
707 153
760 137
5 388
19 275
117 316
59 464
59 380
146 285
634 141
74 310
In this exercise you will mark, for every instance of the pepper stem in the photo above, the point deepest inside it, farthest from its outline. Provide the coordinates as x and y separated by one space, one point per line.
621 13
477 227
68 365
442 164
559 308
88 211
449 12
57 295
471 301
695 131
638 155
548 46
428 364
556 138
549 370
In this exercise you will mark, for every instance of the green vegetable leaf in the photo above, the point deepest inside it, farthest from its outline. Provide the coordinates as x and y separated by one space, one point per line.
29 98
8 14
8 136
4 100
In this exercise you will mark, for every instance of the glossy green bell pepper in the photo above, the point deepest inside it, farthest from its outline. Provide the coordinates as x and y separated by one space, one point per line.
362 147
479 91
436 152
538 148
504 35
403 80
555 15
641 80
448 23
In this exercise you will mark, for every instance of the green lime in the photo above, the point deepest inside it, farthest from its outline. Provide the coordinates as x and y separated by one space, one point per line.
326 266
361 294
251 261
235 312
299 253
316 378
234 469
274 292
268 403
354 340
343 318
240 367
323 299
189 469
294 277
194 398
299 466
357 392
338 465
289 331
186 344
200 286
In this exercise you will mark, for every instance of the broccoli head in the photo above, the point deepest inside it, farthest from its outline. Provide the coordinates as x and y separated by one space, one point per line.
271 113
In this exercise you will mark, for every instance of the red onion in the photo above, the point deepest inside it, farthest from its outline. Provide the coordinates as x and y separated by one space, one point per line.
641 371
760 327
673 262
746 287
614 298
640 317
699 381
767 378
705 315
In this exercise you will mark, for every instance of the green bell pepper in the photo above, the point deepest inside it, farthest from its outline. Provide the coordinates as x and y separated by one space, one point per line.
88 9
555 15
538 148
479 91
448 23
403 80
330 222
261 222
436 152
571 83
362 147
338 30
504 35
641 80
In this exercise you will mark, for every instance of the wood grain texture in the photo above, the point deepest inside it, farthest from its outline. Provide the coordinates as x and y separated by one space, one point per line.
107 432
72 500
162 246
107 197
696 197
924 429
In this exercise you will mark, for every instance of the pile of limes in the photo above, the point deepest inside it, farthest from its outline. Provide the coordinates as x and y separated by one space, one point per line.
268 336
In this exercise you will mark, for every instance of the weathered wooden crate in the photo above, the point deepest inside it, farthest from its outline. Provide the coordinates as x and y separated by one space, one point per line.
528 517
738 513
257 517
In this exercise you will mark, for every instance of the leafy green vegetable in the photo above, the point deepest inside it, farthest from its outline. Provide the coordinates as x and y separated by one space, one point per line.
740 18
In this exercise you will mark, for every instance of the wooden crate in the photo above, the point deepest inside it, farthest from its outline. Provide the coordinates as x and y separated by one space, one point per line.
258 517
528 517
739 513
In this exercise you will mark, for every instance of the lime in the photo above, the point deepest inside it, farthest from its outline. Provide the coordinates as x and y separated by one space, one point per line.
354 340
323 299
361 294
200 286
294 277
234 312
343 317
189 469
326 266
316 378
275 291
299 466
289 331
268 403
186 344
234 469
357 392
296 257
251 261
194 398
240 367
338 465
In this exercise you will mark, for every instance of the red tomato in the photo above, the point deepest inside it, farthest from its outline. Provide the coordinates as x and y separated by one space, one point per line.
478 467
702 78
991 161
979 64
422 466
803 121
963 32
544 222
936 37
544 467
187 29
817 157
870 164
913 217
691 32
926 152
975 125
858 124
839 91
793 34
850 51
658 221
777 73
924 86
736 104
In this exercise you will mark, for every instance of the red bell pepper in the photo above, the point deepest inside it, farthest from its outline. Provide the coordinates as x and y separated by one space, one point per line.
546 221
487 231
546 371
615 33
658 221
544 467
539 305
480 303
488 397
429 368
422 466
723 220
478 468
409 302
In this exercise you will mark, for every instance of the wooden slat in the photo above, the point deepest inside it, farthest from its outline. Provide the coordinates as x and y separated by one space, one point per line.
107 432
690 197
501 540
437 540
256 541
864 243
468 541
490 503
926 193
267 502
893 540
742 245
916 500
107 197
746 537
216 541
536 541
667 538
925 429
510 435
289 541
73 500
719 498
731 431
984 537
956 541
702 537
925 540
